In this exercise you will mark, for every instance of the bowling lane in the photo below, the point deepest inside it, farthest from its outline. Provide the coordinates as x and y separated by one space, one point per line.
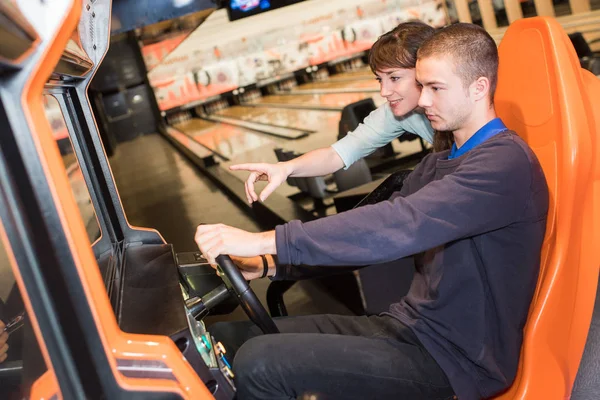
328 100
238 145
226 140
368 85
293 118
361 74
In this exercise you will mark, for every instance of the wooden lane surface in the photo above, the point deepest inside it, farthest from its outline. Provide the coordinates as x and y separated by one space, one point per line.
285 132
339 100
362 74
327 132
312 120
328 84
226 140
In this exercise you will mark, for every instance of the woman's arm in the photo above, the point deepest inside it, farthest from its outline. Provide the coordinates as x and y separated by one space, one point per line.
379 128
314 163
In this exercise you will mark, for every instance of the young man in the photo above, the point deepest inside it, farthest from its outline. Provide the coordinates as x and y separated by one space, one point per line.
475 217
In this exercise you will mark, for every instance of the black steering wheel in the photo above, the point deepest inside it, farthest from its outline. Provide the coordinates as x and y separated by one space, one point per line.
234 280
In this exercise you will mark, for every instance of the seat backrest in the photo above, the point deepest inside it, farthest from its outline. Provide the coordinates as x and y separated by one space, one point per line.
582 48
357 174
313 186
542 96
587 382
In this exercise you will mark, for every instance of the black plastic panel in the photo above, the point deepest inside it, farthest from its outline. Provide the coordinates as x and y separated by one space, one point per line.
152 301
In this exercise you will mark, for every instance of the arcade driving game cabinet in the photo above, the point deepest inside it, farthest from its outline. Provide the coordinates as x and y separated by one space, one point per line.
110 315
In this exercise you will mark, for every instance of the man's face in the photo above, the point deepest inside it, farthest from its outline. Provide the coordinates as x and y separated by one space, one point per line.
447 103
399 88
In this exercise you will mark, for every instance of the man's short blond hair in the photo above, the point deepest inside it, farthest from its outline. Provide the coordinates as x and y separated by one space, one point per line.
472 49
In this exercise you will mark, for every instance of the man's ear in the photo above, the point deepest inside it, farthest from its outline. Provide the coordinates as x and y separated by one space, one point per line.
480 88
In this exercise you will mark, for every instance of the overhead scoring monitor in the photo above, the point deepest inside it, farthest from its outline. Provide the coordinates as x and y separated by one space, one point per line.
238 9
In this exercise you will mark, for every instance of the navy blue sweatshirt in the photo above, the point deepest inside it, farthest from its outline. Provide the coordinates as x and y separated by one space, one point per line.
476 225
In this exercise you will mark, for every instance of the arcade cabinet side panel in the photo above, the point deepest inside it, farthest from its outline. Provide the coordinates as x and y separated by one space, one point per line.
118 346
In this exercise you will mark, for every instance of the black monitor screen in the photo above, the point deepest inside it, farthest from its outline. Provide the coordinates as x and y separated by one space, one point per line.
237 9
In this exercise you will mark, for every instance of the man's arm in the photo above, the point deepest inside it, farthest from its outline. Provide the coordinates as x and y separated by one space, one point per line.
213 240
488 191
299 272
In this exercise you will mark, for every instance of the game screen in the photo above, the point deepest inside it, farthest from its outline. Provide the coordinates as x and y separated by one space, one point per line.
74 172
237 9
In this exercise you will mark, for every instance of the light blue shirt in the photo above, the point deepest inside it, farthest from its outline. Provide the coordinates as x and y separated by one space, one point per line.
378 129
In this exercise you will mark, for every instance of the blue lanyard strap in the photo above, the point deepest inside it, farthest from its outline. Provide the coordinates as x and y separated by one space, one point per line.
490 129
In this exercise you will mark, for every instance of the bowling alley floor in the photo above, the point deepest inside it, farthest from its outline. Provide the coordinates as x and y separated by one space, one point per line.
161 189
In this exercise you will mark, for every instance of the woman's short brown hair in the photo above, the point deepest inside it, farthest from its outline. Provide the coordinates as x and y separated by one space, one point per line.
442 140
398 48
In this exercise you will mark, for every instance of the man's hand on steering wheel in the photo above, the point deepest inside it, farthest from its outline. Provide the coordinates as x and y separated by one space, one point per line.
213 240
252 267
221 242
3 343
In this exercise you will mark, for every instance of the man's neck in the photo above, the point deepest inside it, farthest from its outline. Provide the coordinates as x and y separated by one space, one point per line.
472 126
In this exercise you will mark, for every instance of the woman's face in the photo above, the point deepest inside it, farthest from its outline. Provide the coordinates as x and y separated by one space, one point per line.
399 87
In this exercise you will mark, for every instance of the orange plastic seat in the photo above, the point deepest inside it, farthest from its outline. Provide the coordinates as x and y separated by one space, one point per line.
545 96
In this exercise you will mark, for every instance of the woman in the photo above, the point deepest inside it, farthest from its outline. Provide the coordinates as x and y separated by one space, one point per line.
392 59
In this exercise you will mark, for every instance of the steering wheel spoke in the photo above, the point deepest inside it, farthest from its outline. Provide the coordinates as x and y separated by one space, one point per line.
253 308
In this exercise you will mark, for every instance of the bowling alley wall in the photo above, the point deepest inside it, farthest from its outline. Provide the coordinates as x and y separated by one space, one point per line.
222 56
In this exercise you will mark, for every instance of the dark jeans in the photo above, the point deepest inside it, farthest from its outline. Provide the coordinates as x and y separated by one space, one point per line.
331 357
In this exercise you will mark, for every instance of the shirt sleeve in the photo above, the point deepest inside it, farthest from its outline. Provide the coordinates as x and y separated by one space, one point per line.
300 272
486 192
379 128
